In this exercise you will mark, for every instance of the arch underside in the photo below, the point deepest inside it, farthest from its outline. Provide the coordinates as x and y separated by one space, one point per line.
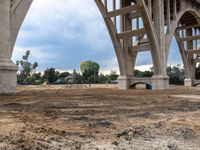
161 19
141 81
18 11
196 84
187 35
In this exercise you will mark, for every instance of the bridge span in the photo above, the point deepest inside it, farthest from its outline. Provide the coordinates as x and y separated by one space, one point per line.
134 26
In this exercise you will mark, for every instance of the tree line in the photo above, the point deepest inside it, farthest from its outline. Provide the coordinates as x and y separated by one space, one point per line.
89 74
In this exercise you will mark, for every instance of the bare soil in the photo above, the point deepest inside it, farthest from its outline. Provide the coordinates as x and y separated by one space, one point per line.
99 118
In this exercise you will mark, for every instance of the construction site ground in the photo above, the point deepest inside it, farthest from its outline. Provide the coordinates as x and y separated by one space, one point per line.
100 117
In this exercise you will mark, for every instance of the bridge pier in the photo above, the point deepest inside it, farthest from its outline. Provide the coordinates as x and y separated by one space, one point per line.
160 83
188 82
8 77
124 82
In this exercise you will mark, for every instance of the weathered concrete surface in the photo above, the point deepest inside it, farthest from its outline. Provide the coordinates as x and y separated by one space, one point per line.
8 78
7 68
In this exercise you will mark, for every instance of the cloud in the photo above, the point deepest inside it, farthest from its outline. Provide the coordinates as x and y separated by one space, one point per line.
109 65
37 54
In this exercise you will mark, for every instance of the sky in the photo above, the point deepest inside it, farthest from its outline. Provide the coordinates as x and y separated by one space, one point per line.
63 33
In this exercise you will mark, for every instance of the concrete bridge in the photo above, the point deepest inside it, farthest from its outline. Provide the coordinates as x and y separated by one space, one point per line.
134 26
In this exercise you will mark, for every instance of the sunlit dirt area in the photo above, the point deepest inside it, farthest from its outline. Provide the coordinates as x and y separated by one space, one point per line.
100 118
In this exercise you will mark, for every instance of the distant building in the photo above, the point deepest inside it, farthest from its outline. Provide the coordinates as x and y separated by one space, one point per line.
70 78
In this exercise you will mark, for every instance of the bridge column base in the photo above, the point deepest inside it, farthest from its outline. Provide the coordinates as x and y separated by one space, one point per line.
160 83
123 82
188 83
8 77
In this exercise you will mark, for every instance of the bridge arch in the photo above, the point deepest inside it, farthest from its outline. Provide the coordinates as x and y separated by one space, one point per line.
175 23
18 10
179 23
148 86
196 84
188 41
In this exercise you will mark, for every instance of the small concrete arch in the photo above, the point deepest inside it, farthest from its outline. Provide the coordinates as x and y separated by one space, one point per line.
148 86
197 84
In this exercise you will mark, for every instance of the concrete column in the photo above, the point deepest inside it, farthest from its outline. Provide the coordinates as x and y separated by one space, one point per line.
128 43
126 25
7 68
123 82
161 80
159 26
189 81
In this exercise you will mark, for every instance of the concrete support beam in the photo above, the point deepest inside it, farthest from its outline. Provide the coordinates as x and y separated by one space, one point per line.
159 27
140 48
131 33
122 11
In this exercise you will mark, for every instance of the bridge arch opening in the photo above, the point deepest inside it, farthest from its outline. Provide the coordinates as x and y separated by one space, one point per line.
191 45
57 33
141 86
144 63
197 84
175 67
186 39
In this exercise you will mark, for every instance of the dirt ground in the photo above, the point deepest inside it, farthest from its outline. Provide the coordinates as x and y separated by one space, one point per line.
99 118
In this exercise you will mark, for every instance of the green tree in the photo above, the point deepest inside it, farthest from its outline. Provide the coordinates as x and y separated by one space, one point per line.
141 74
26 55
103 79
138 73
90 71
113 75
26 68
34 66
50 75
148 74
77 77
37 76
176 75
63 75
